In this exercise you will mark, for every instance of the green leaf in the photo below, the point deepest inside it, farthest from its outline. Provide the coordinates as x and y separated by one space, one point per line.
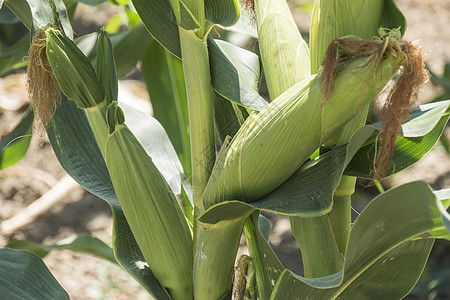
309 191
7 16
126 56
21 9
42 15
152 136
443 202
235 74
118 2
222 12
390 277
392 17
228 117
24 276
160 21
75 147
14 146
164 77
184 16
82 243
418 135
13 57
90 2
381 249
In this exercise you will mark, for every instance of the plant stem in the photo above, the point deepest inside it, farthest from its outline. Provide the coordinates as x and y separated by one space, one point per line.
97 118
201 123
320 253
250 232
340 215
197 8
379 186
201 126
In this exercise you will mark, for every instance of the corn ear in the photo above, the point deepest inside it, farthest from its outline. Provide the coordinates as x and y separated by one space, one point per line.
333 19
106 67
284 53
298 122
73 70
150 207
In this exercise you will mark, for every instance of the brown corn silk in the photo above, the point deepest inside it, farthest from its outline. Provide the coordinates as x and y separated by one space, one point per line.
249 6
402 96
43 88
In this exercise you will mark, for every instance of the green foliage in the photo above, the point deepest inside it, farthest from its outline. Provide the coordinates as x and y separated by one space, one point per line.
288 156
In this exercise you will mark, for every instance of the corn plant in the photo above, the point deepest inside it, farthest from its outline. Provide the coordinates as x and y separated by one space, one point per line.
296 154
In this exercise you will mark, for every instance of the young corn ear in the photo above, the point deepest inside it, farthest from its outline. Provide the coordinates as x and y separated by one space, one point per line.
298 122
284 53
333 19
106 67
150 207
72 69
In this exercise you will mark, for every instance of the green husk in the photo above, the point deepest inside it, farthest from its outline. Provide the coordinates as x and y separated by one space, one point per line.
72 69
150 207
284 53
299 121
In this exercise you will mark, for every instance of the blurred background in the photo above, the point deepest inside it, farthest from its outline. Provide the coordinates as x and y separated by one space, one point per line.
76 211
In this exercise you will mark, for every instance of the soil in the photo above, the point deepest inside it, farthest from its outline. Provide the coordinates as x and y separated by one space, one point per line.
86 277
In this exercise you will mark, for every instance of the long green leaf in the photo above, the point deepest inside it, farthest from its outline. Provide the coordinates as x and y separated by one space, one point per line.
155 141
12 58
229 117
22 10
24 276
75 147
164 77
82 243
418 135
309 191
160 21
14 146
235 74
42 15
380 250
222 12
126 56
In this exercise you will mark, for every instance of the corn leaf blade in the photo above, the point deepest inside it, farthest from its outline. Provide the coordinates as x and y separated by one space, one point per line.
14 145
164 78
12 57
42 15
23 275
159 19
126 57
222 12
379 248
235 74
418 135
81 243
22 10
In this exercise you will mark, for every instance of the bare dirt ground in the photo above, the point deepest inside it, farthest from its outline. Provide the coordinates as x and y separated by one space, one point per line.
86 277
